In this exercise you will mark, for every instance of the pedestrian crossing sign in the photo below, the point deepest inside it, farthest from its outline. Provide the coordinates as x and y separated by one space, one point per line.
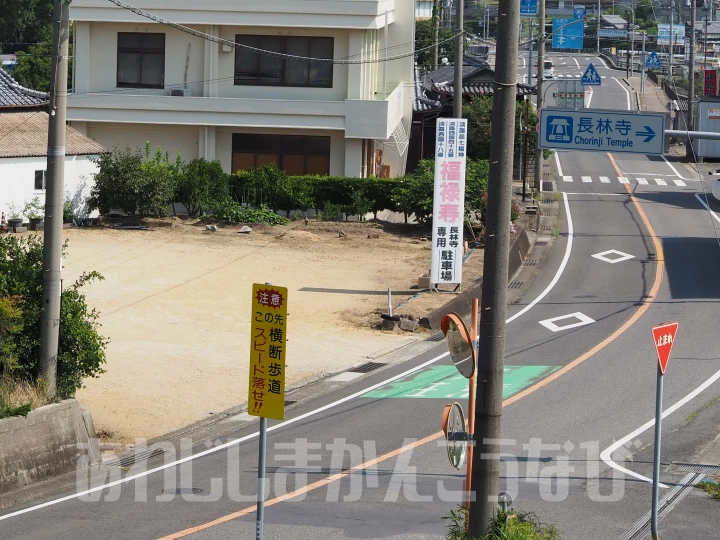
591 77
653 61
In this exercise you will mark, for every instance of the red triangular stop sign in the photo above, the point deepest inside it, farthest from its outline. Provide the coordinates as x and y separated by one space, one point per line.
664 336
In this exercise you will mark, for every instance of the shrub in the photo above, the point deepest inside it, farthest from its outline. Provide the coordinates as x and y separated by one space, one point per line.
199 183
230 211
505 526
81 351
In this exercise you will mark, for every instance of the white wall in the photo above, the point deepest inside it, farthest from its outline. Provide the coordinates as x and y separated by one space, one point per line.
97 62
17 181
172 139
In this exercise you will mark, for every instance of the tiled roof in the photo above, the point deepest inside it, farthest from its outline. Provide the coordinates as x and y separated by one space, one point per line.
421 102
446 74
12 95
25 134
481 89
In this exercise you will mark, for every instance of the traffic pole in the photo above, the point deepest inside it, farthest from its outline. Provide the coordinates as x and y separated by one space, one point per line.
54 198
642 74
262 449
656 455
691 82
471 406
540 83
486 461
599 17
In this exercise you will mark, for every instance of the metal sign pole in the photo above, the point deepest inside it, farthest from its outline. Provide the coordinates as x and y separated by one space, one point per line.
656 458
261 480
642 75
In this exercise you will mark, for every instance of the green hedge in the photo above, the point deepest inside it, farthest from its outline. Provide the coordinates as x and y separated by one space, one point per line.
138 181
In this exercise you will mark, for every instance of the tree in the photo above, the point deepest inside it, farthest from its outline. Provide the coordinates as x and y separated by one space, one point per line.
23 22
33 67
644 11
425 37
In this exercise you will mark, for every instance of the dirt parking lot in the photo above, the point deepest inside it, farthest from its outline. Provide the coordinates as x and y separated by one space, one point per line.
175 304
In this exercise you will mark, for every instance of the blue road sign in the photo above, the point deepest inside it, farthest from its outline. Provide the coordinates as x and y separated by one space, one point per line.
528 8
568 33
612 33
591 77
596 130
579 12
653 61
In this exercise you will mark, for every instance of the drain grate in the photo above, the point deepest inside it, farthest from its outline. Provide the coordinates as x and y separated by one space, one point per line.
289 402
367 368
183 491
516 285
530 262
545 228
547 186
548 213
135 457
694 468
541 244
436 337
548 201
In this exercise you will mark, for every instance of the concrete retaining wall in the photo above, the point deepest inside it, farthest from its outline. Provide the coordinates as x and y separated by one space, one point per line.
51 441
462 303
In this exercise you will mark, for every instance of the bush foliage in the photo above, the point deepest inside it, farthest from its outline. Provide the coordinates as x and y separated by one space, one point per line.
81 351
136 182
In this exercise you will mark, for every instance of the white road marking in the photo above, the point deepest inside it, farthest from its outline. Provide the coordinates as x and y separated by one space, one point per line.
586 179
660 182
713 214
627 93
679 183
606 455
622 256
600 194
642 181
563 264
604 180
582 319
673 168
557 162
623 180
603 61
576 62
578 75
523 59
567 178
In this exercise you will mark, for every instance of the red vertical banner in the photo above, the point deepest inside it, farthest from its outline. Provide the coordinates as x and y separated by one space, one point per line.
710 82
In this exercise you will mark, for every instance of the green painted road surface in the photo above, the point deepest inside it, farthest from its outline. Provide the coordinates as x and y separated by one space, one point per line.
444 382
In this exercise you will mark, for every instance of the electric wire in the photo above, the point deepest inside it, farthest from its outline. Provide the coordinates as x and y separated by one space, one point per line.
221 41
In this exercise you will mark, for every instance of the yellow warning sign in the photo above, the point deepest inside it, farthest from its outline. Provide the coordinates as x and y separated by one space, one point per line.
268 332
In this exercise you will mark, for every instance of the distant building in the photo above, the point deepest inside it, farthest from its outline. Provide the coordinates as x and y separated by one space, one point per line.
23 150
136 80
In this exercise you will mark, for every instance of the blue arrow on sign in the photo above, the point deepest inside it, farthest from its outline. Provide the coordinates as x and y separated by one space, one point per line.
653 61
591 77
649 134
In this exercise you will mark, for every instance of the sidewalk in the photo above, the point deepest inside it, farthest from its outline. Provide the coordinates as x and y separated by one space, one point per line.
655 100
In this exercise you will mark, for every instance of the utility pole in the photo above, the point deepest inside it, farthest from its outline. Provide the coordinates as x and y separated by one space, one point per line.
691 82
540 83
530 55
436 32
670 56
459 57
54 197
488 406
599 16
627 67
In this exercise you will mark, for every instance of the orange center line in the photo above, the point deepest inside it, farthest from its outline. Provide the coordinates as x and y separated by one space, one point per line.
513 399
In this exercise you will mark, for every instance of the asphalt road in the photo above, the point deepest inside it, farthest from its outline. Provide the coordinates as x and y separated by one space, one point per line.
590 333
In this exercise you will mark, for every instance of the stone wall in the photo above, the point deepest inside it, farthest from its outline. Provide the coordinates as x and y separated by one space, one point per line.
51 441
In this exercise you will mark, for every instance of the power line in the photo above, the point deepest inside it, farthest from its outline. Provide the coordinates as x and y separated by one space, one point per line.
235 45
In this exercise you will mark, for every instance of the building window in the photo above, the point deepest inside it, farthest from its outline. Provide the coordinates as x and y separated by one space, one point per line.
294 154
253 69
40 180
140 60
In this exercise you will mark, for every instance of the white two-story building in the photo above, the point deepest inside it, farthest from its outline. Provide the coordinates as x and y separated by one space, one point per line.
136 80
